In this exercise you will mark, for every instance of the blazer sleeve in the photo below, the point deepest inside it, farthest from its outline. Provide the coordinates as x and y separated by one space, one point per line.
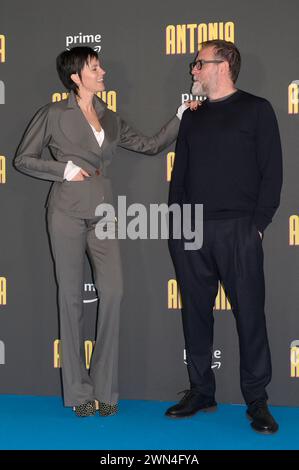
28 157
133 140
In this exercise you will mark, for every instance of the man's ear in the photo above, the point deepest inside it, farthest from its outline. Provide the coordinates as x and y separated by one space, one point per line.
75 77
225 67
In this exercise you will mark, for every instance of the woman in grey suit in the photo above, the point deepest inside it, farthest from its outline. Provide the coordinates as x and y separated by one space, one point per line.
82 135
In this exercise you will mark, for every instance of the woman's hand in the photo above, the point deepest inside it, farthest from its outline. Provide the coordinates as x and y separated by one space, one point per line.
193 104
80 176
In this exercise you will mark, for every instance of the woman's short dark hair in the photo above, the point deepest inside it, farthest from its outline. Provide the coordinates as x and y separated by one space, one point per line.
226 50
72 61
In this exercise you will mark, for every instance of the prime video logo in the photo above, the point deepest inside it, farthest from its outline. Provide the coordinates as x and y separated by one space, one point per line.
90 288
84 39
216 359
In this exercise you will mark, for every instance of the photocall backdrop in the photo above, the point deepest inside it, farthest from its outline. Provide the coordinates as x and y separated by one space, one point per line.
145 48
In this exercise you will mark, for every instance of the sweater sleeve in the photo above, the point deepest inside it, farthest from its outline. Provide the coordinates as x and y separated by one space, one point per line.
176 190
29 153
269 159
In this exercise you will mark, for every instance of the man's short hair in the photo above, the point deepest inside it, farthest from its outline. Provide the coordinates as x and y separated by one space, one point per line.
226 50
72 61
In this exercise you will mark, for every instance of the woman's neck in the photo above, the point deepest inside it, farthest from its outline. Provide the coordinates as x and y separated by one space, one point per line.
84 100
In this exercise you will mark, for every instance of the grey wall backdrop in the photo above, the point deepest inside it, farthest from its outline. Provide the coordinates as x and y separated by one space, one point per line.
148 83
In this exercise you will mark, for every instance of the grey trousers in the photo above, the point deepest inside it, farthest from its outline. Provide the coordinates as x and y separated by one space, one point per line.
70 238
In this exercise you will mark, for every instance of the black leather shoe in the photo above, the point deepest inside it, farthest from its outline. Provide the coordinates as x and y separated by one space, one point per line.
191 403
261 419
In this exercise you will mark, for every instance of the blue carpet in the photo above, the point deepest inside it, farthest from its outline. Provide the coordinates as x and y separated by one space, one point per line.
28 422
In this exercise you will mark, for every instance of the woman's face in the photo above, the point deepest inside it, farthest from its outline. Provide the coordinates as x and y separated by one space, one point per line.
92 77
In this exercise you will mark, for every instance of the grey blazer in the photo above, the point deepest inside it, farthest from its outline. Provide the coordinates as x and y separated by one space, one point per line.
63 128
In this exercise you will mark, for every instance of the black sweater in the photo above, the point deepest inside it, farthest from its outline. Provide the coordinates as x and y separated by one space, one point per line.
228 158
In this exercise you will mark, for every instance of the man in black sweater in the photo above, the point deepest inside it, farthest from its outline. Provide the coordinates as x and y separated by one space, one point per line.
228 158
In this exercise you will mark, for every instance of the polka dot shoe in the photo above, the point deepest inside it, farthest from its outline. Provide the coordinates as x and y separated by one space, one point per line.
107 410
86 409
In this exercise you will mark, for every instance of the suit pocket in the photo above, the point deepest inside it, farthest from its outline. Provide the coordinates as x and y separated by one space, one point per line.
74 196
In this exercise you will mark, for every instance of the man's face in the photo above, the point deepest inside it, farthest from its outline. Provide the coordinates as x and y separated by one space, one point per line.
206 80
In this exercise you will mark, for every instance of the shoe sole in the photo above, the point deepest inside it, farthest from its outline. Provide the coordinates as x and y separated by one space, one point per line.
211 409
268 433
84 414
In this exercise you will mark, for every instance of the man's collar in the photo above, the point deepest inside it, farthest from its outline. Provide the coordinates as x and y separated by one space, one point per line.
223 98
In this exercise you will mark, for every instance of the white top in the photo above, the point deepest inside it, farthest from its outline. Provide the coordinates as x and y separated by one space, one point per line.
71 169
99 135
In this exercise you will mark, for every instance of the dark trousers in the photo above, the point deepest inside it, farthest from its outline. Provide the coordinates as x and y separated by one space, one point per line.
232 252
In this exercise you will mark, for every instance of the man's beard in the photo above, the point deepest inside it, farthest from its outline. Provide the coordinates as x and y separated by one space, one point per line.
198 89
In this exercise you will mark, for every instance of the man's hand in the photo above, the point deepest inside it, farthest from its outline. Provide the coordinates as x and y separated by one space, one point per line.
81 175
193 105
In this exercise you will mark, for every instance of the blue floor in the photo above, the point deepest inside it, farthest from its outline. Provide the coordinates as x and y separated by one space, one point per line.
28 422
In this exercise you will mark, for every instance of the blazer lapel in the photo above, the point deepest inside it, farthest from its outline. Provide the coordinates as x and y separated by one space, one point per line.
100 109
108 122
76 127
